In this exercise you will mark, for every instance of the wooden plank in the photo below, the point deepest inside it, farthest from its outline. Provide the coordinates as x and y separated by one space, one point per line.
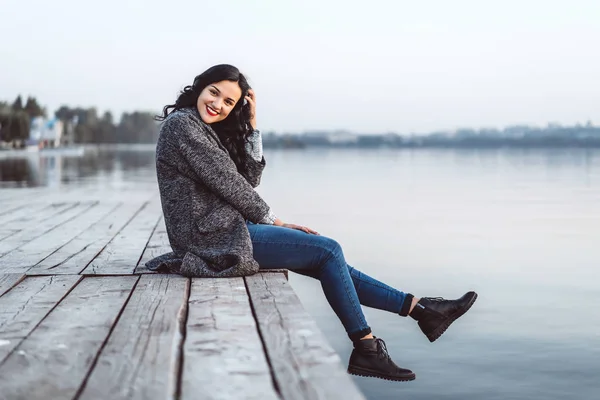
123 253
158 244
135 362
276 271
22 308
10 209
223 354
19 194
7 281
43 227
29 216
304 364
31 253
52 362
78 253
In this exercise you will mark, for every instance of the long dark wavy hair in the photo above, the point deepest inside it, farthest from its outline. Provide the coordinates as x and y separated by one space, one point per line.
235 129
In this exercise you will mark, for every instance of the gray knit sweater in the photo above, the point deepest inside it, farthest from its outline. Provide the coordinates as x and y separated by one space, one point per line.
205 201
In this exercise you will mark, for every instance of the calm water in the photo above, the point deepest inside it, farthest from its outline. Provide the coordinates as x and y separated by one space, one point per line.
521 227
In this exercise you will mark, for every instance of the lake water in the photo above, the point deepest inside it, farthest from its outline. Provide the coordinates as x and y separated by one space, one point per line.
521 227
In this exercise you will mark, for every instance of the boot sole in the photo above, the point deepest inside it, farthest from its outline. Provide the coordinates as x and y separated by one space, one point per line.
435 335
370 374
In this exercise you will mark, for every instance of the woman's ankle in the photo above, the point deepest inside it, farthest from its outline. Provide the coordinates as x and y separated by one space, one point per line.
369 336
414 302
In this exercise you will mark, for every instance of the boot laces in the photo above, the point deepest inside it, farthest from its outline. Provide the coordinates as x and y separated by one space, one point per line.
436 299
382 350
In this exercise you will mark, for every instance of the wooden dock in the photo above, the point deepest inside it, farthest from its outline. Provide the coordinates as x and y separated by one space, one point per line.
81 318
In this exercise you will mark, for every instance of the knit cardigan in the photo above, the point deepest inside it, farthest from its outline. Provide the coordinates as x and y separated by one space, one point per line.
205 201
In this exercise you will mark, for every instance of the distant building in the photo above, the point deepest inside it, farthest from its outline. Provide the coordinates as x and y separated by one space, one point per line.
46 132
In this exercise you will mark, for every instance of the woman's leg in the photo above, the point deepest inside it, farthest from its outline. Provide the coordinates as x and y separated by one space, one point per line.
371 292
322 258
375 294
278 247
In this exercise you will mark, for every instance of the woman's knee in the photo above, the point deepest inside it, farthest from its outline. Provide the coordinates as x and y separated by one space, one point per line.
332 248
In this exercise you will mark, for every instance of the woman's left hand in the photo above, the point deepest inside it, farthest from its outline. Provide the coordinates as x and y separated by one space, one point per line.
251 99
301 228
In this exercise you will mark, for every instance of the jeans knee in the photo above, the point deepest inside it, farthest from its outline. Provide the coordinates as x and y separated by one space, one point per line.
333 248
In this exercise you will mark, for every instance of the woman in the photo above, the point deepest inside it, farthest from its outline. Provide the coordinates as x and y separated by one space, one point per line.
209 160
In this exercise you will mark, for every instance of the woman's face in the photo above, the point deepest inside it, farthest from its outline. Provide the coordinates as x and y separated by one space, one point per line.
217 100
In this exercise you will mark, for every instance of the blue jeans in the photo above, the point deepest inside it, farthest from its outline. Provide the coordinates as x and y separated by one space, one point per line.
322 258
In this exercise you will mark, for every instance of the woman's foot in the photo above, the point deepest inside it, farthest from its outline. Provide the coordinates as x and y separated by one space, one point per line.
435 314
370 358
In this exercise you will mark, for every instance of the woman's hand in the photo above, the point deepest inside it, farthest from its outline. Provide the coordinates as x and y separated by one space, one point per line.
251 99
279 222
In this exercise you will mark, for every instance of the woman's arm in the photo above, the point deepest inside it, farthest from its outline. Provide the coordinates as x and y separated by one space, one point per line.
254 146
256 162
215 169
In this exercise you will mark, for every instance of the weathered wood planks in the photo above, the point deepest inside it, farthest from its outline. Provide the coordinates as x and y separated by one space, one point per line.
223 353
304 364
52 362
7 281
141 358
29 216
26 304
43 227
78 253
122 254
31 253
158 244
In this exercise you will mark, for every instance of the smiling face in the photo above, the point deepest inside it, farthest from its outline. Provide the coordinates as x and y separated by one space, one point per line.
217 100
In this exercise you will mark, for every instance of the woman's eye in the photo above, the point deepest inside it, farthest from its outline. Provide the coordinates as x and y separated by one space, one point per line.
213 92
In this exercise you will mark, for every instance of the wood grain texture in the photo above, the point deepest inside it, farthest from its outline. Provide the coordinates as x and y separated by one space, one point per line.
135 362
275 271
79 252
26 304
223 354
122 254
12 212
158 244
29 216
31 253
42 227
52 362
7 281
304 364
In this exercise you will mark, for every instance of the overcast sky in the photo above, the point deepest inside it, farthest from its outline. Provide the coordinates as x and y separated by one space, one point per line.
365 66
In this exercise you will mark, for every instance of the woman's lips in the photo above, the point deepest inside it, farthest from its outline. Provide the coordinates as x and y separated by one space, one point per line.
211 112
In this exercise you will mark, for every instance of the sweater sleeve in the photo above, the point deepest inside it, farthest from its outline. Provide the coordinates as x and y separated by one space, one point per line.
254 146
256 161
217 171
269 219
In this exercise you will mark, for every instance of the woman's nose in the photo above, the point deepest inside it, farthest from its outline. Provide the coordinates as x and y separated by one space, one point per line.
217 104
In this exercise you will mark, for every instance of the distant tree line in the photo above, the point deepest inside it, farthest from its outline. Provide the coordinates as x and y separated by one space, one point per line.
84 123
15 119
553 135
87 126
135 127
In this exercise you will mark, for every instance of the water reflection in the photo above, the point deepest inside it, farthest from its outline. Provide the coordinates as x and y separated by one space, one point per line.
38 169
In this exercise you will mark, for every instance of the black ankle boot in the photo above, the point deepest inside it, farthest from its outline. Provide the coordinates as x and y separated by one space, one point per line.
370 358
435 314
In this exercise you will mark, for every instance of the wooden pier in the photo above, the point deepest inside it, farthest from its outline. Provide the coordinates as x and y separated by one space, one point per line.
81 318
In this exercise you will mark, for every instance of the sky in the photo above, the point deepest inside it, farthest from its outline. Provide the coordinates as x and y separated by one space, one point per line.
363 66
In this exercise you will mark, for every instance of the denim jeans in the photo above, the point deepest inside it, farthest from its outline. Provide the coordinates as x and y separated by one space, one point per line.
322 258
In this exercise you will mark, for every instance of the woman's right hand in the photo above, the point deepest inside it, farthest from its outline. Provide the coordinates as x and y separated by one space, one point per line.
279 222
